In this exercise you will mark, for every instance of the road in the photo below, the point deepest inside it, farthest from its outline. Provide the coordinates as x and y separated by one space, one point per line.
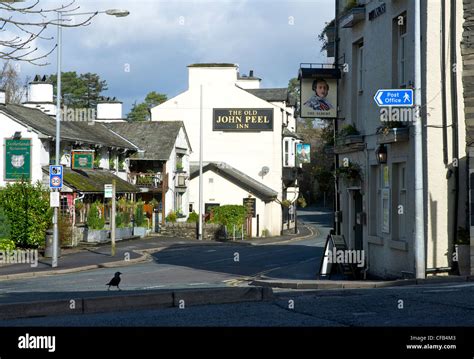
189 266
442 305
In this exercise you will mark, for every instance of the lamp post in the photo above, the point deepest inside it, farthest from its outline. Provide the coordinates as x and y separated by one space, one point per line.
113 12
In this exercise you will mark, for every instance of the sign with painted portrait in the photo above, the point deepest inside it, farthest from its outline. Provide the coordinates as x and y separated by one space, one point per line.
318 97
303 151
17 159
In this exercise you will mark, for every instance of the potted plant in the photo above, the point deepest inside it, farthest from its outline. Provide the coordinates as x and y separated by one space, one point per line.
139 228
351 174
462 251
95 225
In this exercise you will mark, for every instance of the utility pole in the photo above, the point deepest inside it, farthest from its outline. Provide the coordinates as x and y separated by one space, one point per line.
419 244
201 205
112 220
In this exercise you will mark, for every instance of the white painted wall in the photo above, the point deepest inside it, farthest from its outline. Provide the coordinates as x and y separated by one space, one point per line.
217 189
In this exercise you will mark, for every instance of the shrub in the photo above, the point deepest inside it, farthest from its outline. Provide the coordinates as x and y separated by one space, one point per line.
65 229
26 207
119 220
229 215
139 214
7 244
171 217
94 219
4 225
193 217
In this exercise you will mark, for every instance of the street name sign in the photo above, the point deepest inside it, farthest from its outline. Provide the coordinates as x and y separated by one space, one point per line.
394 98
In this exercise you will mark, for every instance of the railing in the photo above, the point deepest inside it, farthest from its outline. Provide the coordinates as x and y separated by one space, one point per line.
148 180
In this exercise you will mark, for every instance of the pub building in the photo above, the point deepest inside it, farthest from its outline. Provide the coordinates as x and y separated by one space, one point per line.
249 144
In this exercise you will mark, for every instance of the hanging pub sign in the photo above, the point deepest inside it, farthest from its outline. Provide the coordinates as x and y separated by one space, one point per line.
303 151
17 159
318 89
242 119
82 160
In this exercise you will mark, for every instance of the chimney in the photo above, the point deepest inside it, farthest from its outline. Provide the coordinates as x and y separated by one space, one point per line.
40 95
2 97
109 110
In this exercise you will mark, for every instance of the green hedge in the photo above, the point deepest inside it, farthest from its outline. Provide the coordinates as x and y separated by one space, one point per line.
29 215
94 219
230 215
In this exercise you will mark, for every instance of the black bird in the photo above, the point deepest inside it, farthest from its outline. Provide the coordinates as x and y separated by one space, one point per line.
115 281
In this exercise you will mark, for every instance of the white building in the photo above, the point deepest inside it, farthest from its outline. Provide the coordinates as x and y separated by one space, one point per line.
248 141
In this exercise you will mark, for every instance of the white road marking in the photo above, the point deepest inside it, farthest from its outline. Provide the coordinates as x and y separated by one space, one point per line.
197 283
154 286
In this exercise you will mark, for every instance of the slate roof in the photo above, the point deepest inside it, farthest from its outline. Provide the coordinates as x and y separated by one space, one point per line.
155 138
92 181
237 177
273 94
95 133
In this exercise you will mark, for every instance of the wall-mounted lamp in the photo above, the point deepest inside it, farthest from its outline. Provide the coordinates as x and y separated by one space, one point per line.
381 154
17 135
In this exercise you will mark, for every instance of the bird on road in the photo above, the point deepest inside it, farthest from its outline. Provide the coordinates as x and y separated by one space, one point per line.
115 281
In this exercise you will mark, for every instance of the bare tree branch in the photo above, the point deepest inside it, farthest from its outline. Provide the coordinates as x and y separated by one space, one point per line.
26 24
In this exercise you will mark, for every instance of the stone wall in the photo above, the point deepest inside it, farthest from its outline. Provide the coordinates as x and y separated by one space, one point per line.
189 230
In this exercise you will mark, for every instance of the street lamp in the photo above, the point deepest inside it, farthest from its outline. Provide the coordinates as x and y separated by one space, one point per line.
381 154
113 12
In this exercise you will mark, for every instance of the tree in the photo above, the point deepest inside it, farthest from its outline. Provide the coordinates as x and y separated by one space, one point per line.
11 83
294 92
79 91
22 26
141 112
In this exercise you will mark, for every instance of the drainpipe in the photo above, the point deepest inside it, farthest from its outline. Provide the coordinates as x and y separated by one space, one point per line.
443 82
337 204
419 242
454 111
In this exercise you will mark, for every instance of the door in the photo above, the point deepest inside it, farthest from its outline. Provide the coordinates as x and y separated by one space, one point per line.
357 226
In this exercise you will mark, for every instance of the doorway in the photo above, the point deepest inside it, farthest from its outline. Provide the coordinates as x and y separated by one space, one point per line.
358 231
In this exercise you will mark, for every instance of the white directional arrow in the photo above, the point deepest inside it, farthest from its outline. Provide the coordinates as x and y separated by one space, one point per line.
378 97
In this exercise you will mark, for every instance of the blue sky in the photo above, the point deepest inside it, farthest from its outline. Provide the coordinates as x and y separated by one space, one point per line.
150 49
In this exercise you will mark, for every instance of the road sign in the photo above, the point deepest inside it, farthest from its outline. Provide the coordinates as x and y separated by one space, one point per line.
56 177
394 98
107 191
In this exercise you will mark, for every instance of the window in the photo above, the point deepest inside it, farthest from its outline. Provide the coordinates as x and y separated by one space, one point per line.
402 49
288 152
360 68
178 202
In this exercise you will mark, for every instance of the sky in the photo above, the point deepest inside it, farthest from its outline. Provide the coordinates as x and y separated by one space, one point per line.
150 49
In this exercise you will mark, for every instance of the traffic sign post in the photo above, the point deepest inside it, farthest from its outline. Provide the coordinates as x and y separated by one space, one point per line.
56 177
394 98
